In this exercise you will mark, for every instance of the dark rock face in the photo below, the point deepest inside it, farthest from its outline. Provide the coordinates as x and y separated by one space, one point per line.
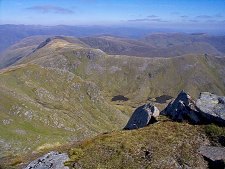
142 117
51 160
182 109
214 155
209 108
212 107
163 98
43 44
119 98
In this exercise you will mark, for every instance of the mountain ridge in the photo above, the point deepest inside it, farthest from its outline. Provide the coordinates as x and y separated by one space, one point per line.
112 46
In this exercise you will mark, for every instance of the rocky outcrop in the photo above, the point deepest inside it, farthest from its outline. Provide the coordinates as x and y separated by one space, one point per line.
182 109
51 160
212 107
43 44
142 117
214 155
209 108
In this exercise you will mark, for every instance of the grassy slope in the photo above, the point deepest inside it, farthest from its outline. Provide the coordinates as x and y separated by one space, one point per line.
163 145
156 45
49 106
20 50
137 78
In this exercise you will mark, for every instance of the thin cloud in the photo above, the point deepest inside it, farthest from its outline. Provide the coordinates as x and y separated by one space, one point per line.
218 15
158 20
184 16
50 9
175 13
152 16
193 20
147 20
211 21
204 16
138 20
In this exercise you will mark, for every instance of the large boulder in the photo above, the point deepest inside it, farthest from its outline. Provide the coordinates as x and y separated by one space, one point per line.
212 107
214 155
142 116
182 109
51 160
209 108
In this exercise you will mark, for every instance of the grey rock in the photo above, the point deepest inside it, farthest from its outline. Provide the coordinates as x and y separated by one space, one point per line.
215 156
20 131
142 117
212 107
53 160
212 153
182 109
6 121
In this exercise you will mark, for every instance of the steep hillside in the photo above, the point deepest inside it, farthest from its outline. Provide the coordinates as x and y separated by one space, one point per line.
20 50
134 77
27 46
44 106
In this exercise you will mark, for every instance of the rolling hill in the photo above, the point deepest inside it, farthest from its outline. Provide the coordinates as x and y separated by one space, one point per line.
164 40
156 45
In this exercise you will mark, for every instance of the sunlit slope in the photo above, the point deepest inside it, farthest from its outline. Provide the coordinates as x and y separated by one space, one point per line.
19 50
42 105
137 78
157 45
162 145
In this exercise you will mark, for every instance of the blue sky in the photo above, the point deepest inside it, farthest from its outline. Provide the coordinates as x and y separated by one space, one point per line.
150 13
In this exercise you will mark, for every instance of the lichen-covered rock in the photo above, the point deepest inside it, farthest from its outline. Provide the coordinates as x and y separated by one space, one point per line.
209 108
212 107
51 160
214 155
182 109
142 117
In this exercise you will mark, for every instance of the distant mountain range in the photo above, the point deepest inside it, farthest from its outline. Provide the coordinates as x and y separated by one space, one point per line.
159 45
10 34
155 45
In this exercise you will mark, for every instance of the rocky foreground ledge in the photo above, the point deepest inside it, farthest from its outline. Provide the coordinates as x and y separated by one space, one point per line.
53 159
209 108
